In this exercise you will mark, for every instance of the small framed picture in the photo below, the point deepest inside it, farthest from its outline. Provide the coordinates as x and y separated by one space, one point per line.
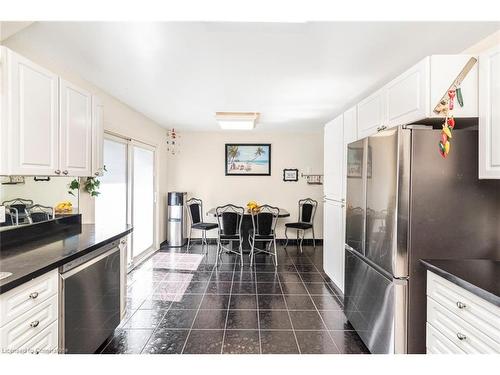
290 175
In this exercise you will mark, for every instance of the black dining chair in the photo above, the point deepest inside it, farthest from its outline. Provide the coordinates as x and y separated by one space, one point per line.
229 218
307 211
20 205
195 211
264 230
38 213
11 218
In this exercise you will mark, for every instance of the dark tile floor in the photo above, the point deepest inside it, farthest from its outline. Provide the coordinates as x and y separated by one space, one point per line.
179 303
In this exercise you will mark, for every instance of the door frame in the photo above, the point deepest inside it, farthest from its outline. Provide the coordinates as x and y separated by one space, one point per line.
130 143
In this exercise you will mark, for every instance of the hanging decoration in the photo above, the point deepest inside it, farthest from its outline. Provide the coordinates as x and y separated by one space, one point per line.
446 106
173 141
448 125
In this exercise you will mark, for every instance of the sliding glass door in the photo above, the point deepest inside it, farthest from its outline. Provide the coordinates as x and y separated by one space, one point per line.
128 193
143 199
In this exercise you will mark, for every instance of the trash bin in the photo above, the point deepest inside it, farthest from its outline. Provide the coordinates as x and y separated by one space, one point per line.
176 226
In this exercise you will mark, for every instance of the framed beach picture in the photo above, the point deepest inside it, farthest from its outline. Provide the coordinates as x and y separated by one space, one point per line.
248 159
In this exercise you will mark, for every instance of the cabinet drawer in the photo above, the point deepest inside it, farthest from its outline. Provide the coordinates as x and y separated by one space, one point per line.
479 313
27 296
458 331
17 332
45 342
437 343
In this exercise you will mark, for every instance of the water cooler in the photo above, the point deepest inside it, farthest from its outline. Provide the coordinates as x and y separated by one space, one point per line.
176 224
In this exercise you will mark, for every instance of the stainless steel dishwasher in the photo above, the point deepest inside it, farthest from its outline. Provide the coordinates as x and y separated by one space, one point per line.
89 300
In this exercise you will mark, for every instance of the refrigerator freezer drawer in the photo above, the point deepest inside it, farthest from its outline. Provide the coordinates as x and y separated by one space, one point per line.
376 306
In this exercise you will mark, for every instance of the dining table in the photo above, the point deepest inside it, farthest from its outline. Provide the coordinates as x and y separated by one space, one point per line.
246 224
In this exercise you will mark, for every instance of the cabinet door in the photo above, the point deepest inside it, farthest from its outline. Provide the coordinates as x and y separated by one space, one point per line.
406 95
489 114
371 114
97 136
333 185
75 130
333 242
350 126
33 125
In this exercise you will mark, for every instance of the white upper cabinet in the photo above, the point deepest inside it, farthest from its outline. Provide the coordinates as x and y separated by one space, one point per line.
333 183
97 136
75 130
406 95
30 117
46 123
350 125
489 114
413 95
372 114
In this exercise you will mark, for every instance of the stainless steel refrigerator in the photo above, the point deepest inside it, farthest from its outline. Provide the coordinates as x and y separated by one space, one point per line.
405 203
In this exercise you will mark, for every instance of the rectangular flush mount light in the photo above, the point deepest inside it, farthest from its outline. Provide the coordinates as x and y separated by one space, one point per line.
236 120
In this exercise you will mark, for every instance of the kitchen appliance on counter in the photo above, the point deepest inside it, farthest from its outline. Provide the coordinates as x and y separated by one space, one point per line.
405 202
177 227
89 300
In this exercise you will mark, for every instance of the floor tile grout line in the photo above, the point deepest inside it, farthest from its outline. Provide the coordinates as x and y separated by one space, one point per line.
197 311
289 316
227 312
317 311
258 311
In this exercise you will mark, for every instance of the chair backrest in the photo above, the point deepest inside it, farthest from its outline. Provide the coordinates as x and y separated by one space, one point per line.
11 217
38 213
195 210
307 210
20 204
264 221
229 218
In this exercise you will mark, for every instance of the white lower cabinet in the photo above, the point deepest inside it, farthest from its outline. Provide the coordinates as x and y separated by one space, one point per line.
437 343
333 241
17 332
45 342
459 321
29 316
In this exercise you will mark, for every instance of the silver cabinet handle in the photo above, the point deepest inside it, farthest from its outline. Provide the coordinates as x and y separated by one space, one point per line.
461 305
57 171
123 242
461 336
33 295
97 173
34 323
65 172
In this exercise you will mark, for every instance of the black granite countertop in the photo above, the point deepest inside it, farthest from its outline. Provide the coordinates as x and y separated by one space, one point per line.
479 276
34 258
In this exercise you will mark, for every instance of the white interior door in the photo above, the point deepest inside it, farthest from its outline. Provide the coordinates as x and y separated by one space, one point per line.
143 199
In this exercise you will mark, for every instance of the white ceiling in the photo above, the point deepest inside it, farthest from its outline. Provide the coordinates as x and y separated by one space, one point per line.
297 75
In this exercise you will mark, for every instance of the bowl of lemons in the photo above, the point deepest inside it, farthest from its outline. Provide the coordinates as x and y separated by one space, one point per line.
253 206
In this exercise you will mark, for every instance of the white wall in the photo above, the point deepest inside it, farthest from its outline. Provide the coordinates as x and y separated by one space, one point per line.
119 118
199 170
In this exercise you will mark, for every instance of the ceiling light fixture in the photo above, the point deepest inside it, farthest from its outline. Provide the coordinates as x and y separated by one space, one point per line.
236 120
